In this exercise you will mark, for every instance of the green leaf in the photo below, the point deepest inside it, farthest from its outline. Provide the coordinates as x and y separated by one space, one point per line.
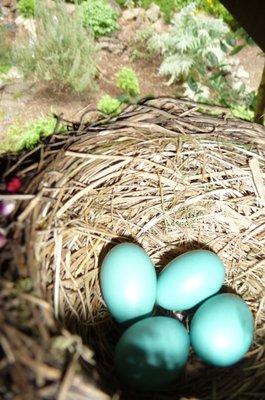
124 98
192 83
237 49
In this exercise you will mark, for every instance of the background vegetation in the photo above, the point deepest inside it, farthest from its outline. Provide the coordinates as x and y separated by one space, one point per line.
62 54
192 52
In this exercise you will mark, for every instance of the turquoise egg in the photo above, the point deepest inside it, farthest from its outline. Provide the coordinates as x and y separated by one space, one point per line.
128 282
150 354
222 330
189 279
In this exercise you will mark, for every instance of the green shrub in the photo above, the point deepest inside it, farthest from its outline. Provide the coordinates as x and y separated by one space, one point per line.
193 46
5 53
169 7
63 53
28 136
219 91
27 8
230 93
99 16
242 112
215 8
129 3
139 45
128 82
109 105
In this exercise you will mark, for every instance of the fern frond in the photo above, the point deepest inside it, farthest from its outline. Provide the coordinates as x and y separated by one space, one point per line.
193 45
176 66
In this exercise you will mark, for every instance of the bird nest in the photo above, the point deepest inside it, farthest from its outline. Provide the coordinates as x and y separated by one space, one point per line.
167 174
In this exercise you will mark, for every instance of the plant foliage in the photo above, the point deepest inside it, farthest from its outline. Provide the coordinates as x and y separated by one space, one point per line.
140 44
27 8
218 90
216 8
194 45
27 136
169 7
63 52
100 17
109 105
5 53
128 82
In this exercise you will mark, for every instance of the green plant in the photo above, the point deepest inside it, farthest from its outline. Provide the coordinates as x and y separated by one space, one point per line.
27 8
63 53
109 105
129 3
140 41
25 137
240 33
242 112
99 16
167 7
216 8
193 46
128 82
212 7
18 94
232 94
219 90
5 52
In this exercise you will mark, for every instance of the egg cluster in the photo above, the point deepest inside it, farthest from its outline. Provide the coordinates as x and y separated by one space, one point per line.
153 349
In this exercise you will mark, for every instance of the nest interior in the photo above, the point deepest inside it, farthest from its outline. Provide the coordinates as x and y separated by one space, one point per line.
169 175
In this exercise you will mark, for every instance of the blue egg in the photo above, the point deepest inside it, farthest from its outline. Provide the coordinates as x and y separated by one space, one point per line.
151 353
128 282
222 330
189 279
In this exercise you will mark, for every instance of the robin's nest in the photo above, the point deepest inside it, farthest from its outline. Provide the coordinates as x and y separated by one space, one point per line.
171 176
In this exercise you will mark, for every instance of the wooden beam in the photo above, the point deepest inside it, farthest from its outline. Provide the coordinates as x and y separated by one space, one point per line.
251 16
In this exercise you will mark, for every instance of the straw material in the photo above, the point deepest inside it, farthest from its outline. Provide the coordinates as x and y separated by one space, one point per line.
167 174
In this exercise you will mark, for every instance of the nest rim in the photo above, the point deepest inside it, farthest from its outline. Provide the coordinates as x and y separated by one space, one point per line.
187 137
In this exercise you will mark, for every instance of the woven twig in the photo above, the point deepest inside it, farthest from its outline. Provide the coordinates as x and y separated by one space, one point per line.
171 176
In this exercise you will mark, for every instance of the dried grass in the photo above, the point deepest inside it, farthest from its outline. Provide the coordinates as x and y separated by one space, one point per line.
170 176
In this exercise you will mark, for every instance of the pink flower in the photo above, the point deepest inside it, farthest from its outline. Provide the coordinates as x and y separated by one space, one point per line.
13 185
7 207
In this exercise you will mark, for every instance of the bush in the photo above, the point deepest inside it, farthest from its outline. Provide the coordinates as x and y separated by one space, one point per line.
109 105
193 46
63 53
233 94
5 53
27 8
140 48
129 3
221 91
28 136
99 16
128 82
169 7
215 8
